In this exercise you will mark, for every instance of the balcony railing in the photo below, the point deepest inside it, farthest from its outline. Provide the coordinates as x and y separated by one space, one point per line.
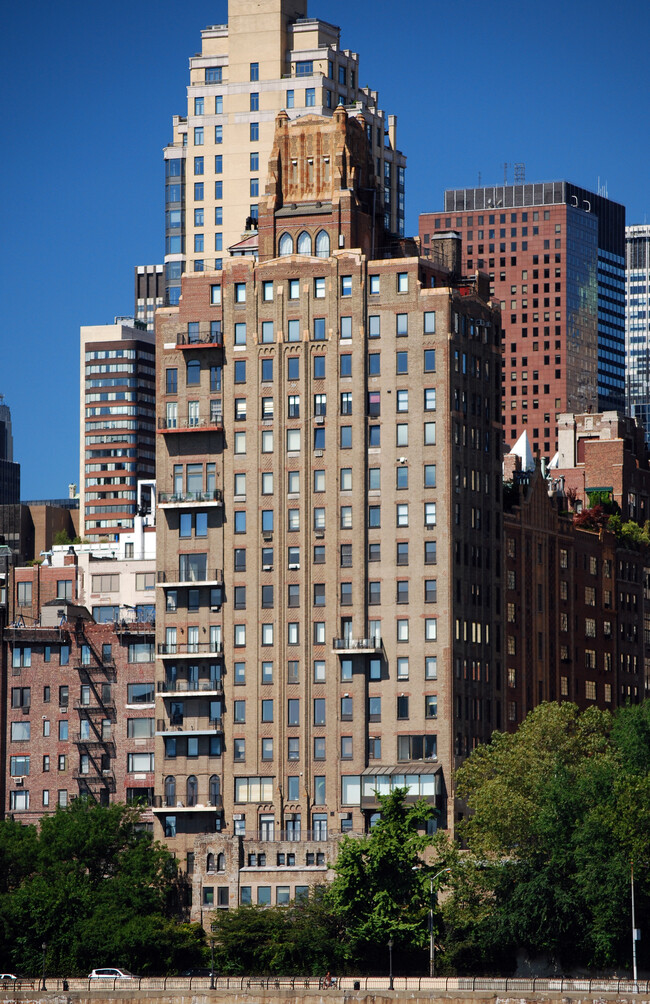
189 725
134 627
184 498
191 648
161 802
203 338
190 577
212 424
190 687
357 644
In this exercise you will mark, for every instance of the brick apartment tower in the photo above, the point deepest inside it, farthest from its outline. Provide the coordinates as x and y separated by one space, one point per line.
117 425
329 475
270 56
555 256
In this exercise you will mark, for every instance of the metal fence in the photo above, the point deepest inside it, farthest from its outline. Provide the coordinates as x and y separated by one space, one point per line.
347 984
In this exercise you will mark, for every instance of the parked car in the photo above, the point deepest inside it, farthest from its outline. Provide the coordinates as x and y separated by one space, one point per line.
196 972
8 976
111 974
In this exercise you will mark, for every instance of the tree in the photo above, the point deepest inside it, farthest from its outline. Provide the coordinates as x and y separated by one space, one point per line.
381 884
559 809
302 938
95 887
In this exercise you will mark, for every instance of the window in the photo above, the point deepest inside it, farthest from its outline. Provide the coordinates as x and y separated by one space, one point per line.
401 325
429 322
140 693
310 97
429 514
429 360
402 282
402 513
319 367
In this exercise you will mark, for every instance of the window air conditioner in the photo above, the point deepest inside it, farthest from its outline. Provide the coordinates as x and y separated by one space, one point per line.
293 568
319 420
318 453
19 780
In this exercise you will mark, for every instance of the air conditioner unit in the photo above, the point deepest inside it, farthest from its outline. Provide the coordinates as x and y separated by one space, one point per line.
294 568
19 780
319 419
269 568
318 453
320 533
215 610
267 534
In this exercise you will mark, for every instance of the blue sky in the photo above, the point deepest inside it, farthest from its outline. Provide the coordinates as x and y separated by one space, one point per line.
88 92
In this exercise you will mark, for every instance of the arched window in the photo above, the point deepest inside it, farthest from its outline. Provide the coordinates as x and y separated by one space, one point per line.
221 862
192 790
304 243
170 790
215 790
285 244
210 863
323 244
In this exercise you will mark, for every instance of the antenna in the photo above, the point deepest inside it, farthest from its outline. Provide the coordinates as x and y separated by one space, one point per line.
506 165
479 179
520 173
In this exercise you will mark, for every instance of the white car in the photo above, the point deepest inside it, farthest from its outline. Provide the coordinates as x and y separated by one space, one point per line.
8 976
111 974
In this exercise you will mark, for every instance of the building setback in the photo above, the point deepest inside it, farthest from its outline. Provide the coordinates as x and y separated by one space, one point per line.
117 425
555 255
270 56
329 475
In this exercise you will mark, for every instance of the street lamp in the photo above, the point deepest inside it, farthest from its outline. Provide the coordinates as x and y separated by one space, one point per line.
44 947
432 900
212 964
390 963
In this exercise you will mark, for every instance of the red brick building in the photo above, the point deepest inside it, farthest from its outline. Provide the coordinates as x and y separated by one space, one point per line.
555 255
574 606
605 454
78 700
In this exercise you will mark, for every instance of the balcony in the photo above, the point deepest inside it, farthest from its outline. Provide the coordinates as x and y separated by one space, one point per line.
195 576
189 725
174 500
21 633
191 688
159 805
134 627
212 424
189 648
204 339
353 645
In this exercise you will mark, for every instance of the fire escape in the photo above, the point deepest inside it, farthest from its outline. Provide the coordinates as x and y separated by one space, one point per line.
97 715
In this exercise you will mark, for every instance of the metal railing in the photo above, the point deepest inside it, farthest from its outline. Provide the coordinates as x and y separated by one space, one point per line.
190 424
191 577
188 724
190 687
437 984
357 644
202 338
182 497
191 647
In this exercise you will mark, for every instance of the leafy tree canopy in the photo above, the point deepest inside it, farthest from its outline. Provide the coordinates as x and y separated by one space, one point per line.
93 884
559 809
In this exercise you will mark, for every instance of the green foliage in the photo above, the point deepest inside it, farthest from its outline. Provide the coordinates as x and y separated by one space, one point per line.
559 809
303 938
381 889
92 884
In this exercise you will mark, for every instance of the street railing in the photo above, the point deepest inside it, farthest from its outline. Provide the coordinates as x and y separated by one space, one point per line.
467 984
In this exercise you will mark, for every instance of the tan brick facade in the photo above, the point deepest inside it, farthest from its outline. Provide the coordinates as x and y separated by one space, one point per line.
329 462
